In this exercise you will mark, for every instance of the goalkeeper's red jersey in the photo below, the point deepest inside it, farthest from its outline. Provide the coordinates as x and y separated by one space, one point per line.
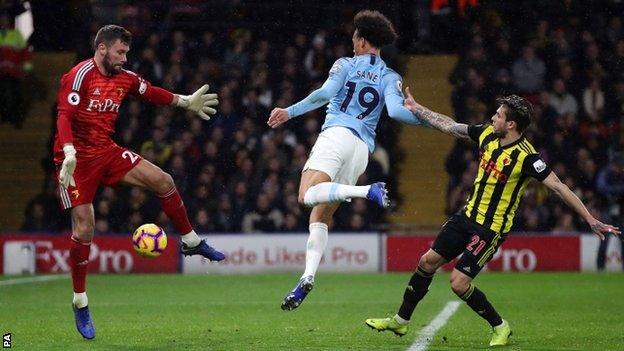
88 105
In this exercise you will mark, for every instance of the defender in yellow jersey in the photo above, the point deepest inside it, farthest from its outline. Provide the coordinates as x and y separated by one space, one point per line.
503 174
507 161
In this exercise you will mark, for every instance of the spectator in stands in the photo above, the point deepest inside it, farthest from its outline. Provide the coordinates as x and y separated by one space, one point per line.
204 223
157 146
36 218
149 66
528 72
263 218
236 56
102 226
226 220
562 101
610 184
15 63
317 59
593 100
292 223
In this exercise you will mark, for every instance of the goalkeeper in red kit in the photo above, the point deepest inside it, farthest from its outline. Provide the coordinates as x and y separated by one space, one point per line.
86 157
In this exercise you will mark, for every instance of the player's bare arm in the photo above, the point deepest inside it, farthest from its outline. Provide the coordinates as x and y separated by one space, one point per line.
437 120
562 190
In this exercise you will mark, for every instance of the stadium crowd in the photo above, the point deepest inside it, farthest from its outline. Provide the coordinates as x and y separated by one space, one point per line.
570 63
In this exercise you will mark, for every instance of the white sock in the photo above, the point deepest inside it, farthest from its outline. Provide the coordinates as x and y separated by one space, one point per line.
400 320
500 325
190 239
333 192
80 299
317 241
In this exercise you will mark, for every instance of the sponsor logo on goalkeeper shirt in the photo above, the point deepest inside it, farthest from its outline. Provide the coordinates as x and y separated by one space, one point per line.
107 105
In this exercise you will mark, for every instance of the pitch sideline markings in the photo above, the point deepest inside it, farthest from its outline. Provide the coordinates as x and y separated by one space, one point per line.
427 333
41 278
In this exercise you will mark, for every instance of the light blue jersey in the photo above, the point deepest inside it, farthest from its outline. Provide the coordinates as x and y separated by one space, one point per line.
357 90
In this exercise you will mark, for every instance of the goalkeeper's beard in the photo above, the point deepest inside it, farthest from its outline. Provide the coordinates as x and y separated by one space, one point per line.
109 67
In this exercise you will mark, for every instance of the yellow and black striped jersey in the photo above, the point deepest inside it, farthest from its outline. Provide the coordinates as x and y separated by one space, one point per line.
502 177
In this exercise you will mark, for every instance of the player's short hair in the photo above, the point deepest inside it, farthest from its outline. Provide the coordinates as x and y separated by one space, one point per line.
375 28
519 110
109 33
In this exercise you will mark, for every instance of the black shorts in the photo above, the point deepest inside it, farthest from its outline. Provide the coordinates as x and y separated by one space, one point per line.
462 235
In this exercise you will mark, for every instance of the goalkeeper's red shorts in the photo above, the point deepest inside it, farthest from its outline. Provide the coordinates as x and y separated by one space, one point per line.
107 169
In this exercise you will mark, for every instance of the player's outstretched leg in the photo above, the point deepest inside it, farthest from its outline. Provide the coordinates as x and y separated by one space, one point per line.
79 258
148 175
191 243
328 192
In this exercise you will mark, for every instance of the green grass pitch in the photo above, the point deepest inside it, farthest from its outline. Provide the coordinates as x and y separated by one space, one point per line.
547 311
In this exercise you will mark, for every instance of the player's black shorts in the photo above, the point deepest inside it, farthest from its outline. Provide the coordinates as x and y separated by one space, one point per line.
461 235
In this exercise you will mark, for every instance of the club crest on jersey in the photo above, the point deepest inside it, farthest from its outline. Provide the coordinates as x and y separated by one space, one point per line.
489 167
142 86
335 68
120 91
73 98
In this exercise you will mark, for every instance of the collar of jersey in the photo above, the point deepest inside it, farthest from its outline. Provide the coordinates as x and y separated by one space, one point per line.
519 140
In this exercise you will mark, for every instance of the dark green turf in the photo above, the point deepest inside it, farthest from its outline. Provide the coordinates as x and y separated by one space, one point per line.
241 312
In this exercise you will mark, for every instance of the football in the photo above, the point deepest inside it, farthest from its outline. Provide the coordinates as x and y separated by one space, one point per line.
149 240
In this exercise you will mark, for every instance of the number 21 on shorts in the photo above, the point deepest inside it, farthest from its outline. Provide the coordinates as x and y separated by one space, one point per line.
473 241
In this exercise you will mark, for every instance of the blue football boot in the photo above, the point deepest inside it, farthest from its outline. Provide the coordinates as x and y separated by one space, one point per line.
83 322
296 296
378 194
202 249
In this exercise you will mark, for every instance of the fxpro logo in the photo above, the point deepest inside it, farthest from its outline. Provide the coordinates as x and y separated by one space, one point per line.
57 260
104 106
489 166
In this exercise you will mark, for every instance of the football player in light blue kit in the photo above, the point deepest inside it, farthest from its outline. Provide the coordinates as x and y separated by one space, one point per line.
357 90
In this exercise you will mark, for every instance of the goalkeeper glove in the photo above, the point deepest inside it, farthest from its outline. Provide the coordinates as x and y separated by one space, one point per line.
199 102
66 175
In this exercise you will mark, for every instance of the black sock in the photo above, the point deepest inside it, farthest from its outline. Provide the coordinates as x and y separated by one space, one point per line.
476 299
415 291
